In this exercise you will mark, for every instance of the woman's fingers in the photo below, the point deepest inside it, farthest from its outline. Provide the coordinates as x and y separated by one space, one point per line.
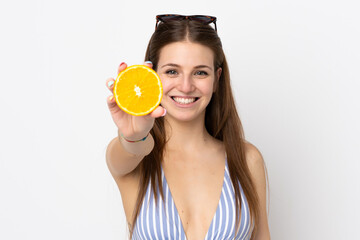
149 64
110 81
111 102
110 84
121 67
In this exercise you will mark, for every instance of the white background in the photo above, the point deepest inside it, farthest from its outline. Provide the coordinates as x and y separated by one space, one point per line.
295 74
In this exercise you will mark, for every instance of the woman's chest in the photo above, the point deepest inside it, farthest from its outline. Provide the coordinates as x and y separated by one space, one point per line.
198 204
195 192
192 197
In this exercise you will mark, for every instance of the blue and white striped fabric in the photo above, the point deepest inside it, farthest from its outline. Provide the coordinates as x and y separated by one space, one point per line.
163 222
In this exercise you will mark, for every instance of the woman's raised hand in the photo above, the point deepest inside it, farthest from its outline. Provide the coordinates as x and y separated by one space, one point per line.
132 127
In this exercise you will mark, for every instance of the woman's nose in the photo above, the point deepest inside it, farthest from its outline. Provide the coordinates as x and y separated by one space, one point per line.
186 84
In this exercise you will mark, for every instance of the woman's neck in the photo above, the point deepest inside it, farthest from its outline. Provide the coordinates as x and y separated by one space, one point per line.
186 136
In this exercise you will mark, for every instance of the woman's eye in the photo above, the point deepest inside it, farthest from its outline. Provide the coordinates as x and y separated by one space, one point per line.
171 72
201 73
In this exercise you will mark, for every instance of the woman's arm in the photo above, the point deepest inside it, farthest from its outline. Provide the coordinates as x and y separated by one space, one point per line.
257 169
123 157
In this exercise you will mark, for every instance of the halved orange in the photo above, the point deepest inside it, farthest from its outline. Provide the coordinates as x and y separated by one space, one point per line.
138 90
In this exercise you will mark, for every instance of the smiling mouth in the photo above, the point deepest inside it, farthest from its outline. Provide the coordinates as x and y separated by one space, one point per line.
185 100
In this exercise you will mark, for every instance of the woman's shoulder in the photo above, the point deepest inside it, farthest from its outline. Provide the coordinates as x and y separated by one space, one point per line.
254 159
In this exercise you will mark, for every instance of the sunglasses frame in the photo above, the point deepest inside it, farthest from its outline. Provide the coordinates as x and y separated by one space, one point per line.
177 17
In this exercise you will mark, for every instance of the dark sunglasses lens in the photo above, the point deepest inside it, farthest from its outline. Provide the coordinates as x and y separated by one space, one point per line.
170 18
202 19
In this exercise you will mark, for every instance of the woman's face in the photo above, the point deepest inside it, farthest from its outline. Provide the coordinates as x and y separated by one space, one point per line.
187 74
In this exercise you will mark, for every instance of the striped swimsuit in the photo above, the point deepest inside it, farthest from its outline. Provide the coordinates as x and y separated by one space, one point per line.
163 222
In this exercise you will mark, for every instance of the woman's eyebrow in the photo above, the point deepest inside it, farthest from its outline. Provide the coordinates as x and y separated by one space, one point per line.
170 65
176 65
203 66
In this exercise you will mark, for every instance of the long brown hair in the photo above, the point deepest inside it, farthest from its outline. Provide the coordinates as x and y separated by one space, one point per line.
221 120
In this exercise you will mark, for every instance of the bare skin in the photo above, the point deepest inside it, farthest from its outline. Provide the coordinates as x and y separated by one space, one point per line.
194 161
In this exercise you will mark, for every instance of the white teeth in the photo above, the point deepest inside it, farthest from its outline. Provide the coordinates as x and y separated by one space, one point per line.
184 100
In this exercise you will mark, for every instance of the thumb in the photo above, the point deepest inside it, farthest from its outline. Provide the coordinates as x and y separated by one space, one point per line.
158 112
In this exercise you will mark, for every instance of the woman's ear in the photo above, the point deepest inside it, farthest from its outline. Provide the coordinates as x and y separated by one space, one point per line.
217 78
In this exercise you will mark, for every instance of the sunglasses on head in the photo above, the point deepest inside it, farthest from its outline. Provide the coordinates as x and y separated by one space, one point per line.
174 17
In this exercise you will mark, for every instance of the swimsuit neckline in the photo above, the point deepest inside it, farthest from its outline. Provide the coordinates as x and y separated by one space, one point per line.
217 208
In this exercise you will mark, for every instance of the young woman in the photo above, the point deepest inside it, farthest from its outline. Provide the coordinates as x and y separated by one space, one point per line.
194 176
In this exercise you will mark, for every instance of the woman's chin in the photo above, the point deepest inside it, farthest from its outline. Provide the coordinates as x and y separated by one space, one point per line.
184 116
